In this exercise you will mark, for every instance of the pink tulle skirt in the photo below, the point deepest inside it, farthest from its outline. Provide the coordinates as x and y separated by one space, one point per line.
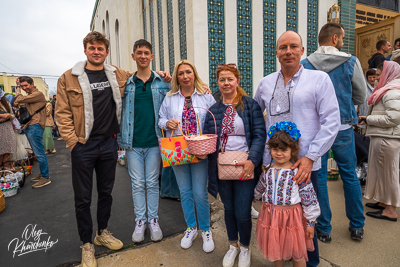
283 237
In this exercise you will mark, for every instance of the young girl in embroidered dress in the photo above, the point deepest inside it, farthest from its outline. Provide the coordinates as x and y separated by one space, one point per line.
285 226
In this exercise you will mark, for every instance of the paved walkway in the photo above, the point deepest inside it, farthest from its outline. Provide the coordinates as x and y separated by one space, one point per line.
380 247
51 209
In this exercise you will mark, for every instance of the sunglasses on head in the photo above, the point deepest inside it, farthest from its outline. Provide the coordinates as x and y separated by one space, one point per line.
229 65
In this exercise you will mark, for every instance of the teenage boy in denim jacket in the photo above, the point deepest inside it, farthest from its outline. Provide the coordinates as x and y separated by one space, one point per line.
144 93
348 79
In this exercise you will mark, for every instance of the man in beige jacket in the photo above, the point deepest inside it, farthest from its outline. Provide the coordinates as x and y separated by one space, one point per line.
88 113
35 102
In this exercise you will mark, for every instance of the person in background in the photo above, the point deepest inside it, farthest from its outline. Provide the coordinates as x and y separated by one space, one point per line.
240 127
396 46
370 76
8 142
382 47
56 133
383 126
346 74
34 101
48 141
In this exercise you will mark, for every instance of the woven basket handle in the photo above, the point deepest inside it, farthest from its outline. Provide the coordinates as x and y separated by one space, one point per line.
215 122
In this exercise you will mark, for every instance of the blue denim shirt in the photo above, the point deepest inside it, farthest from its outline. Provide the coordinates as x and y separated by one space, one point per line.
159 89
341 79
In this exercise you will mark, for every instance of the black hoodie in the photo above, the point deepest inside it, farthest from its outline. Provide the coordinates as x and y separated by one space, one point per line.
375 60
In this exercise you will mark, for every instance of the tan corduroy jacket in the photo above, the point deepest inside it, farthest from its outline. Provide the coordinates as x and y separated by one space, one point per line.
49 113
383 119
33 102
74 106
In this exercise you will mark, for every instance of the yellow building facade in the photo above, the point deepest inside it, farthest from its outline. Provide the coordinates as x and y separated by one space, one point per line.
367 14
7 83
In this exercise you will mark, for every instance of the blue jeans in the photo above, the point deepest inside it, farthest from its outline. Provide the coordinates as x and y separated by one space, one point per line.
237 197
192 181
345 156
34 133
144 169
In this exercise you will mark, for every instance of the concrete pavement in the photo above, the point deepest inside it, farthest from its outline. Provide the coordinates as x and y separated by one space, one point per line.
380 246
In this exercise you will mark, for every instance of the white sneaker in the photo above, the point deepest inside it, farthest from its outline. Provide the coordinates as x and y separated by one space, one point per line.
188 237
254 213
208 242
244 257
230 256
138 234
155 230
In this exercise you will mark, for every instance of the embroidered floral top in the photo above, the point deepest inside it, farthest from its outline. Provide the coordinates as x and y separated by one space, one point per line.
189 121
276 186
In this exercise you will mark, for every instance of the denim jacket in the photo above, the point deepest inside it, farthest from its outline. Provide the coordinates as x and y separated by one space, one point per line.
159 89
341 78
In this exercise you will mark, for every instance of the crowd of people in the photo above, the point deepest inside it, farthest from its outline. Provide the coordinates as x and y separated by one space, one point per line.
26 127
312 107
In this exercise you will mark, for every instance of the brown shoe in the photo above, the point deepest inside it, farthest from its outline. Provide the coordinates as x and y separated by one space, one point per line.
36 179
42 182
88 258
106 239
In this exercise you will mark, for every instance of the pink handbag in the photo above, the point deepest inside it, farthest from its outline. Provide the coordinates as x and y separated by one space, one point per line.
227 168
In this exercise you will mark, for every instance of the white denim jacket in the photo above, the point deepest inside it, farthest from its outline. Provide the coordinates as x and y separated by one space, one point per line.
172 108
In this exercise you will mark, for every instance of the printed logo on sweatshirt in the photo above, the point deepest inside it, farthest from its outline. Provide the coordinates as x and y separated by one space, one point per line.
100 86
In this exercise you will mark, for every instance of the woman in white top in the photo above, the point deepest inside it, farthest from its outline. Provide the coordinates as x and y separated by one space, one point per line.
181 106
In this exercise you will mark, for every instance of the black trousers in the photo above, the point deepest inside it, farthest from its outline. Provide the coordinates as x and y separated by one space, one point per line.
99 155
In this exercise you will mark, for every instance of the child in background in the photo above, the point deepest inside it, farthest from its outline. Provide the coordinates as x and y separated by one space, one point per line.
285 226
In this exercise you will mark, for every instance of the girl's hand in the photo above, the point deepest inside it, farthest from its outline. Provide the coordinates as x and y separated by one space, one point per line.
172 124
248 169
200 156
310 232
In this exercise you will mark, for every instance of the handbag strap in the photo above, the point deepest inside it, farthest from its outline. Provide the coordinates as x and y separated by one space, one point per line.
40 109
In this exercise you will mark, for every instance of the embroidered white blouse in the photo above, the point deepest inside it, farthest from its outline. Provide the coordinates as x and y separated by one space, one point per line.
277 187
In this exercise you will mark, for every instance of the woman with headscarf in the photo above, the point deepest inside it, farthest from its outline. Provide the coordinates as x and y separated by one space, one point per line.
383 126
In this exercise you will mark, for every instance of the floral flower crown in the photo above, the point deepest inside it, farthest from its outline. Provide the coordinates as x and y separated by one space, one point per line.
287 126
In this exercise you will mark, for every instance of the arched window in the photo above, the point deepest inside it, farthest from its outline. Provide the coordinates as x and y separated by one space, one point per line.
108 36
117 47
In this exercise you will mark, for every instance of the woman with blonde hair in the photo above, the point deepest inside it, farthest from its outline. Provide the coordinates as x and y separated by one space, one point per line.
181 106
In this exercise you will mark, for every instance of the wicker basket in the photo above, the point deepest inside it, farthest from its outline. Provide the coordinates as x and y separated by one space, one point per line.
2 201
13 189
206 145
333 175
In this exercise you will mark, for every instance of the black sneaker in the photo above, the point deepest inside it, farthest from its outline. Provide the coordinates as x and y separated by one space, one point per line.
326 238
357 234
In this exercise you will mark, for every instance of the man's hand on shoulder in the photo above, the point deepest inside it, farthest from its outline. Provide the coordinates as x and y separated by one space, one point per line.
166 75
305 166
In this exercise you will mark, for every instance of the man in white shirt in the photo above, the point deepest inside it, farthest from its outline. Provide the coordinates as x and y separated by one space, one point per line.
306 98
